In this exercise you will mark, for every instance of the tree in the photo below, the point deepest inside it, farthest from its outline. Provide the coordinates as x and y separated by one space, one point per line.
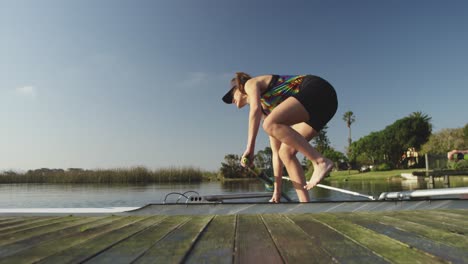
446 140
465 132
322 144
335 156
367 150
387 146
349 118
231 168
321 141
263 160
409 132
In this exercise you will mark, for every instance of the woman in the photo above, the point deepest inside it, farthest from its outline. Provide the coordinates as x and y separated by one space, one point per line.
295 108
457 155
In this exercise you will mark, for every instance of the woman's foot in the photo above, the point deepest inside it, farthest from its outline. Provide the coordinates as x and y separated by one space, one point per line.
320 170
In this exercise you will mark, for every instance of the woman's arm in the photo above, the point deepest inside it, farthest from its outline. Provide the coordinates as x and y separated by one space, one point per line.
450 154
255 115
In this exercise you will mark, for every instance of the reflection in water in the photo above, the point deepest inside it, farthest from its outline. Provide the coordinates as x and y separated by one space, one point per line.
242 186
415 184
86 195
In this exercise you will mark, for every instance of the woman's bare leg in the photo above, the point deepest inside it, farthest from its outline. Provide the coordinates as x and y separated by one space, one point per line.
278 125
292 164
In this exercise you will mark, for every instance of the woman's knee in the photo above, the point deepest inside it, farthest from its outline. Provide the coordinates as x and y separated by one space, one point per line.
287 153
269 126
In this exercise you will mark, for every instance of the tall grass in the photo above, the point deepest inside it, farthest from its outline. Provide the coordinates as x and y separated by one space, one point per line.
104 176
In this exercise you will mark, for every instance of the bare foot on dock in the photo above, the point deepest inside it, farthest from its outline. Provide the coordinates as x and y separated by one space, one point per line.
320 170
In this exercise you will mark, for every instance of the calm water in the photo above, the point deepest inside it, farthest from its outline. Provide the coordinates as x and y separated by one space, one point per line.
50 195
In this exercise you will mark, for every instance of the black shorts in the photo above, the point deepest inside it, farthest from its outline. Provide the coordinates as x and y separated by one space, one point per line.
319 99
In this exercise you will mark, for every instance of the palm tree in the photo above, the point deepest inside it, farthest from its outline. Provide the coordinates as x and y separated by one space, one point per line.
349 118
421 115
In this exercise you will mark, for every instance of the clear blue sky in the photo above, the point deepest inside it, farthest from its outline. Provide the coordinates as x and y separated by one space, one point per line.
112 84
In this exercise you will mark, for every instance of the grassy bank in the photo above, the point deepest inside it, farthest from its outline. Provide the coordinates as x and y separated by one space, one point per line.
371 175
107 176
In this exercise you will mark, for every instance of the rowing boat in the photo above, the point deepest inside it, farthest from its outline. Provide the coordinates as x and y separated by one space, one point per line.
226 204
248 208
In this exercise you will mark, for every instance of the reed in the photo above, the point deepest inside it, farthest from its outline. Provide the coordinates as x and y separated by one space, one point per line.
104 176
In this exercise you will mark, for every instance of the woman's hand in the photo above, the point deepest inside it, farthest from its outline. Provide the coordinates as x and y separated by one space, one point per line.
276 197
247 159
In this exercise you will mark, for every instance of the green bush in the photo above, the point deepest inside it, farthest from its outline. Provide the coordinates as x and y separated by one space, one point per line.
383 167
458 165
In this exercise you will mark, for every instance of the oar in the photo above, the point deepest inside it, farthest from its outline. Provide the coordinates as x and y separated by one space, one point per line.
268 181
264 178
339 190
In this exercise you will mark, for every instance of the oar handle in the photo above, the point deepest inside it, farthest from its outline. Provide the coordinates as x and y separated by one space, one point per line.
245 161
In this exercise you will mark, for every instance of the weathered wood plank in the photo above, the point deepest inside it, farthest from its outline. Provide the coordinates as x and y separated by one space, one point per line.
440 250
434 221
133 247
16 221
293 243
391 249
460 212
449 215
174 247
216 243
340 247
94 246
4 219
432 233
23 240
41 222
415 236
14 236
81 233
253 242
8 218
9 238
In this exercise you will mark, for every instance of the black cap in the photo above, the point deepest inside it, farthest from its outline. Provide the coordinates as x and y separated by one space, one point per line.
242 79
227 98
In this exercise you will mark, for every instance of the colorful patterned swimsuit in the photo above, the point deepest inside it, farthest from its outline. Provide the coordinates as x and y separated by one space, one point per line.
280 88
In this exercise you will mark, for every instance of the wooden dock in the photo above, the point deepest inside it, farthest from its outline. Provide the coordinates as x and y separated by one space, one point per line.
423 236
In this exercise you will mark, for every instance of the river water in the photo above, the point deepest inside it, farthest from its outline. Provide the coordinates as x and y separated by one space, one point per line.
87 195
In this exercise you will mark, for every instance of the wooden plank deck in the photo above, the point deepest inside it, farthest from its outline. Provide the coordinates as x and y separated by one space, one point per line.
424 236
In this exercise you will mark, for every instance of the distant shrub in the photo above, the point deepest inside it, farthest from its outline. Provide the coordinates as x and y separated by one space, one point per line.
383 167
104 176
458 165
